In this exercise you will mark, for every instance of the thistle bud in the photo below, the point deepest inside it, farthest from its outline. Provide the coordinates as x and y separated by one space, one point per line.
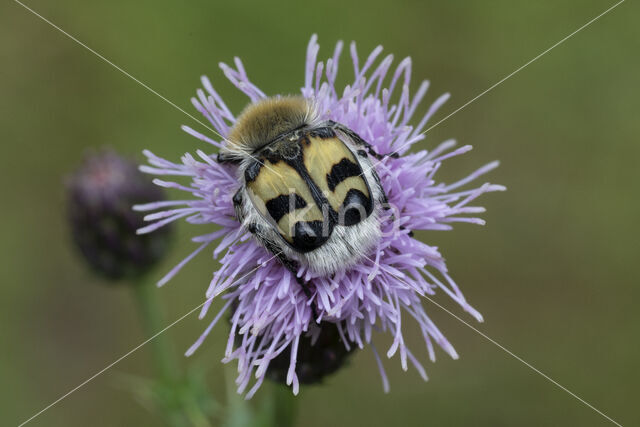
100 195
316 359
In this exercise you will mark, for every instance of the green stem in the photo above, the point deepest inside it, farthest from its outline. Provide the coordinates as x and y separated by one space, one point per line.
164 360
165 363
238 411
285 406
194 414
276 408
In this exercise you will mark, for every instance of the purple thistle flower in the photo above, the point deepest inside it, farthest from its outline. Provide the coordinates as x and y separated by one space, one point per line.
100 194
319 356
271 313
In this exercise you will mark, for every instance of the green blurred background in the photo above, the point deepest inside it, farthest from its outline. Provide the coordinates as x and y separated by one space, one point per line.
554 271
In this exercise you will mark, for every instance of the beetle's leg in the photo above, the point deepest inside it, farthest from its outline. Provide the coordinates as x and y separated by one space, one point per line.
237 205
358 140
226 158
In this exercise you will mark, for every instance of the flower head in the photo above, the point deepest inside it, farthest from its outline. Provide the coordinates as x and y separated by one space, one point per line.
320 353
271 314
100 195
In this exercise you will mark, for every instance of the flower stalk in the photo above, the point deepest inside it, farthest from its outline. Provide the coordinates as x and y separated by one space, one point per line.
103 227
181 402
285 406
278 407
165 363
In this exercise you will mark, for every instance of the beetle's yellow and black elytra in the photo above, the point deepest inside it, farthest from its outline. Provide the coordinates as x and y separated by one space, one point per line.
307 183
308 190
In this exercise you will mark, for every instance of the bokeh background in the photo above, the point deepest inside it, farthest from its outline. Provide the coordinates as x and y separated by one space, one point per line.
554 271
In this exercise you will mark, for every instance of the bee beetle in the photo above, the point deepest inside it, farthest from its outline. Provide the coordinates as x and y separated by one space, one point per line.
309 192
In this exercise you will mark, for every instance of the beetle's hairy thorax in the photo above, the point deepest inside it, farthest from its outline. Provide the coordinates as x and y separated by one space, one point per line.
263 122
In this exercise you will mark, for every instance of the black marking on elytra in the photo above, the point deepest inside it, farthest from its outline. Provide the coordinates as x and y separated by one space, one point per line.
252 171
308 235
355 208
280 206
342 170
316 193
